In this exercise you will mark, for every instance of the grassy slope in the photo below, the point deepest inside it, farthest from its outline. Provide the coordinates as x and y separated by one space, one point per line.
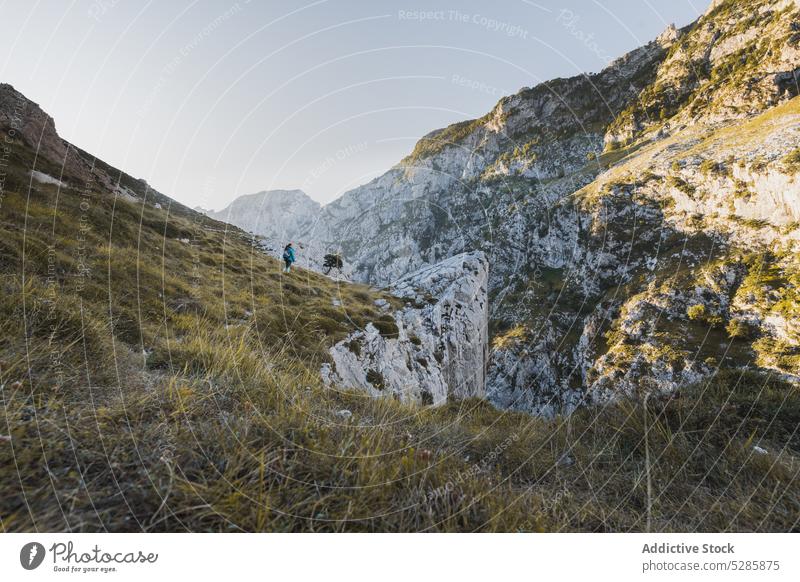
224 424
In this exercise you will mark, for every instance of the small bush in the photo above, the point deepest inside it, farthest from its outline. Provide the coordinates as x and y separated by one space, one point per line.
741 329
792 162
387 327
700 313
680 184
710 167
742 191
759 164
376 379
696 312
354 346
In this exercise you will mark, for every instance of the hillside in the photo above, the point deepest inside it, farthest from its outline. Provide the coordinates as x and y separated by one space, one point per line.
159 372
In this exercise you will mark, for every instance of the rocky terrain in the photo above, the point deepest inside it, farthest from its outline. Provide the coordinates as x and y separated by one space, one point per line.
641 224
432 349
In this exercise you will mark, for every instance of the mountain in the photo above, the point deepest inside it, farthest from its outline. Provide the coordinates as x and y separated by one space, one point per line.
641 224
593 283
278 215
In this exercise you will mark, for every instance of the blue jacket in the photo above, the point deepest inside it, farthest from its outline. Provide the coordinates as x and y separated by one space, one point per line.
288 255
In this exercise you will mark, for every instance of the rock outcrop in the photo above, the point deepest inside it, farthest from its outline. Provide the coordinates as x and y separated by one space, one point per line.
24 121
434 348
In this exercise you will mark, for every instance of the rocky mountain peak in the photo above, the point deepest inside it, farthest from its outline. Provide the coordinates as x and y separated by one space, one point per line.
278 215
737 60
667 38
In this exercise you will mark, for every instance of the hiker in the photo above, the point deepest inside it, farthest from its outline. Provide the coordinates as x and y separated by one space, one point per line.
288 257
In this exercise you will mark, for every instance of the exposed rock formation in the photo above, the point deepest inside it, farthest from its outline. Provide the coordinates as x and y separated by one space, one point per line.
23 120
29 133
432 349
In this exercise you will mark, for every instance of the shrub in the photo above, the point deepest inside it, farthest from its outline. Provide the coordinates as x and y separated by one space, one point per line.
387 327
710 167
376 379
696 312
700 313
759 164
741 329
742 191
354 346
696 220
332 261
680 184
792 161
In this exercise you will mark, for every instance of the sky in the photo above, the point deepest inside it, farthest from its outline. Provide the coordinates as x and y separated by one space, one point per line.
208 101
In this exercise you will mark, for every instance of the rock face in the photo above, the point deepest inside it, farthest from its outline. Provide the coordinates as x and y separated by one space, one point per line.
446 196
432 349
750 46
23 120
642 223
26 128
277 215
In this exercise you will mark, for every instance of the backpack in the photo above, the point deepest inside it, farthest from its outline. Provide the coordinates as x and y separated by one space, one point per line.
286 255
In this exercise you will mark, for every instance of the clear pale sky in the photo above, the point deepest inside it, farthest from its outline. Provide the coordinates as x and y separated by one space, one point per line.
211 100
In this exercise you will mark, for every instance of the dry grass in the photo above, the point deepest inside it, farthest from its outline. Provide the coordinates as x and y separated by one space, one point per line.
175 387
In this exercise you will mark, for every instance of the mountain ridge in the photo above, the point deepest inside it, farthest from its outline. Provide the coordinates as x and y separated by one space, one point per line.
275 214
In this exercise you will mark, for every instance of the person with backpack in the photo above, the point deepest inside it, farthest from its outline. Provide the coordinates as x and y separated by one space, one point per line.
288 257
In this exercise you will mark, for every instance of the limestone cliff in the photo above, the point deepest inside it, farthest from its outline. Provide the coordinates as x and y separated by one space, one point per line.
432 349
